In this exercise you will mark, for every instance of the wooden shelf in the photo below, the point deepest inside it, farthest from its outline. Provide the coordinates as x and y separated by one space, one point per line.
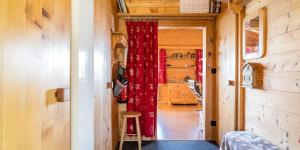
180 47
117 33
206 16
181 67
193 59
188 47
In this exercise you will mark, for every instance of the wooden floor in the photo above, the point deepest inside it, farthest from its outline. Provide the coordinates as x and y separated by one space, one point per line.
178 122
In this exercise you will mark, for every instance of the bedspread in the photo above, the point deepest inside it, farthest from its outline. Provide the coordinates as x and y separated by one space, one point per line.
245 140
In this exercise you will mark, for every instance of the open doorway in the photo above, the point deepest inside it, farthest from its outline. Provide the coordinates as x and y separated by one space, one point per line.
180 113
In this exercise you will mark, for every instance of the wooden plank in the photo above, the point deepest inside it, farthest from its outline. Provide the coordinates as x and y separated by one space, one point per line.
284 23
281 7
241 90
180 37
285 38
284 101
2 35
152 6
226 54
103 96
286 81
279 63
178 47
164 94
119 41
168 15
209 85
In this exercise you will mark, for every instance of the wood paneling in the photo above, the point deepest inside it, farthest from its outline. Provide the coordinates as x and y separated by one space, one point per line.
226 62
180 37
34 55
163 93
119 43
273 111
102 75
153 6
2 24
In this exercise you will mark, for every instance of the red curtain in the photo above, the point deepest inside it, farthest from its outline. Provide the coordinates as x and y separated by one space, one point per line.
142 69
199 64
162 73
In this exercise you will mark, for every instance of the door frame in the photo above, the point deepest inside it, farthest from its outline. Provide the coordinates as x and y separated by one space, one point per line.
208 77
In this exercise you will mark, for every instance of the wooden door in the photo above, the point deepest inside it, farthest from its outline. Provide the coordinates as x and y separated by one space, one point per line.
226 61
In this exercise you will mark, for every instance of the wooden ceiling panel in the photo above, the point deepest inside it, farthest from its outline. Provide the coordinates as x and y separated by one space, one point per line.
185 38
153 6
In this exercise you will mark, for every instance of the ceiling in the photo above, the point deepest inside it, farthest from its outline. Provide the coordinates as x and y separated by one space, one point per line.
161 6
153 6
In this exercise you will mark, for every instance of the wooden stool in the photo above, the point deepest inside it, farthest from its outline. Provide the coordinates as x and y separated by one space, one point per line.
125 116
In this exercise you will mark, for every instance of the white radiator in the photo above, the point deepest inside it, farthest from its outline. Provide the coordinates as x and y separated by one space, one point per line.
194 6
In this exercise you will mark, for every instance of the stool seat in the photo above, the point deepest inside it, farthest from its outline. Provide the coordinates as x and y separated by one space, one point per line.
131 114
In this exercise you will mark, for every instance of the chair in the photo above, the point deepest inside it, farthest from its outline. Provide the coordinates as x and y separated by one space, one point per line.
195 90
126 115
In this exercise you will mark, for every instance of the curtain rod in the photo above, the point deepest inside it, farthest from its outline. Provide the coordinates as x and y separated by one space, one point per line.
204 16
168 18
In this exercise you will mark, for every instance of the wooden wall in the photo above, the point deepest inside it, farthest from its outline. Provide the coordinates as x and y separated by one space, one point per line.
226 50
34 55
153 6
273 111
180 38
102 75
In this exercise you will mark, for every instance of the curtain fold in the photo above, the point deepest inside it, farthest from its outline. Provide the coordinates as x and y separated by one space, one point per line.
162 66
199 64
142 69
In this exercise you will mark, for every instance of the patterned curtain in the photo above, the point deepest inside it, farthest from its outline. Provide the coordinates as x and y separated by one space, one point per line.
199 64
162 73
142 70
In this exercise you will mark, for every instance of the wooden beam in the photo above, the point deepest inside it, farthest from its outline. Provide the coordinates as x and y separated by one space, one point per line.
243 2
236 7
149 5
204 16
241 90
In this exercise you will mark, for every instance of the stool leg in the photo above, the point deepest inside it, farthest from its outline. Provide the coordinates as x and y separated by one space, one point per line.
123 133
138 132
